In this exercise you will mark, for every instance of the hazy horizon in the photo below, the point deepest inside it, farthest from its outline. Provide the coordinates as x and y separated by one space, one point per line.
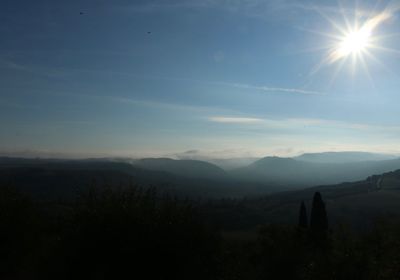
190 154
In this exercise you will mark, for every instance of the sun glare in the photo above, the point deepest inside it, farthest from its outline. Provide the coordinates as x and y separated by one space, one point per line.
356 38
354 42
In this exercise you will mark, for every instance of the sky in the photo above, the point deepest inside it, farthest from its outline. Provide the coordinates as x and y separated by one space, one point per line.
224 78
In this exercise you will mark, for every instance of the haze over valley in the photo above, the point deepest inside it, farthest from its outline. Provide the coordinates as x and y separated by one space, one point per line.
201 140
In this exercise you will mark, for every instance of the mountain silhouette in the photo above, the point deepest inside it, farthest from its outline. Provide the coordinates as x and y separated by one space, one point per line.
294 173
185 168
343 157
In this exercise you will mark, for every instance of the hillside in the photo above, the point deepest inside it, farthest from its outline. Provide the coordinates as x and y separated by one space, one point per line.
65 179
358 203
186 168
294 173
343 157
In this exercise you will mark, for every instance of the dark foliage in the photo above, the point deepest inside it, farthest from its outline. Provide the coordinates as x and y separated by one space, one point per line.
18 230
107 235
136 234
319 218
303 219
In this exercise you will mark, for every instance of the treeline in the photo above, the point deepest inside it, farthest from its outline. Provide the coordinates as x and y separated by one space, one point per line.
137 234
107 235
312 250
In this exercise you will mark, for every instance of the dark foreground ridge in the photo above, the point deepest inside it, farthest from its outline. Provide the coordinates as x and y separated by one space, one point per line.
136 233
92 219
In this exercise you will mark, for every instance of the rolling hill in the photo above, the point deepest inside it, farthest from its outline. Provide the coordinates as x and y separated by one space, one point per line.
359 204
343 157
294 173
195 169
65 179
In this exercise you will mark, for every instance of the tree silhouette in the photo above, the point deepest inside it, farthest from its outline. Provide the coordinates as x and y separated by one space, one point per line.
319 219
303 220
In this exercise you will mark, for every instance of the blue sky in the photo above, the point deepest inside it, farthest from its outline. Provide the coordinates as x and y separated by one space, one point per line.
224 78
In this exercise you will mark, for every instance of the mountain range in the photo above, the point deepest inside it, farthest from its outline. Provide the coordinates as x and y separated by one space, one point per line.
359 203
194 178
295 173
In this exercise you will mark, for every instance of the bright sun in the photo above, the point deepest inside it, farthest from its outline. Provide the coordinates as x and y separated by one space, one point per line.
357 40
354 42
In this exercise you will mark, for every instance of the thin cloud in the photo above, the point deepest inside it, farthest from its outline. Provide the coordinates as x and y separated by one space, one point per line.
235 120
264 10
292 124
32 69
273 89
59 71
156 6
163 105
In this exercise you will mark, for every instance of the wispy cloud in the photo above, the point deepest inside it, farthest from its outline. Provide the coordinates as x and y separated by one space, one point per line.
293 124
272 89
59 71
265 10
163 5
235 120
32 69
262 9
159 104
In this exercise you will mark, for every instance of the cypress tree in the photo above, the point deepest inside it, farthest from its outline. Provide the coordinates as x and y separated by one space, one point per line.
303 220
319 219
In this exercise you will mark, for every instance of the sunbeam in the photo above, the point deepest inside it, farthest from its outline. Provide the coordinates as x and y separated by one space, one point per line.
355 39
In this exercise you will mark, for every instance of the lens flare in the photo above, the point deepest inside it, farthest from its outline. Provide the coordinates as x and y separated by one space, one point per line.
354 42
357 36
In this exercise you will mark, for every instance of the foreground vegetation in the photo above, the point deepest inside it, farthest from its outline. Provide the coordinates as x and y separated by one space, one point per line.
137 234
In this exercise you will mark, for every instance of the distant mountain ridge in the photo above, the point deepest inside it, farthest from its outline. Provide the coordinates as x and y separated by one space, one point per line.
294 173
231 163
343 157
56 178
201 178
186 168
358 203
